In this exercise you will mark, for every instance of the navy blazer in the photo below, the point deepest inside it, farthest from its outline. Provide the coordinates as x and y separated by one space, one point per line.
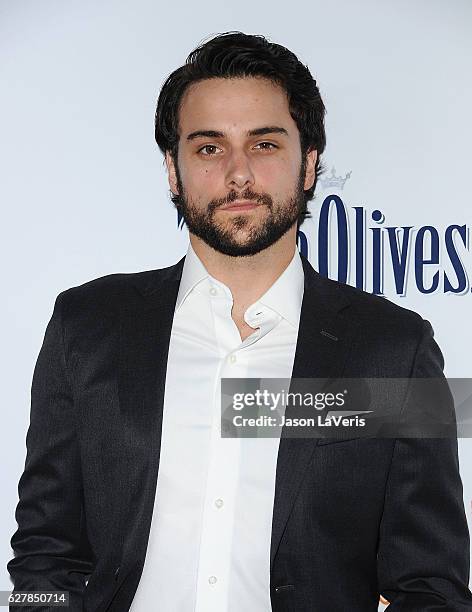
352 518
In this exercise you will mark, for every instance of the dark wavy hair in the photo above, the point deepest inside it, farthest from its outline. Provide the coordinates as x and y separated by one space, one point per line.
235 54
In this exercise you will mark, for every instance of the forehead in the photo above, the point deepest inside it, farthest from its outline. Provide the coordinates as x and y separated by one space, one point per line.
236 104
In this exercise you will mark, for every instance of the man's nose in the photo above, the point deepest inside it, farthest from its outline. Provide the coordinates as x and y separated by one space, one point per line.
239 172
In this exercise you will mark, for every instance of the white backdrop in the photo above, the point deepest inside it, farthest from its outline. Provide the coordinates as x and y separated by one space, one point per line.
83 188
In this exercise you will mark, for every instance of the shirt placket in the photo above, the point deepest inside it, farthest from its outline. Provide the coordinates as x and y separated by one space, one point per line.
221 484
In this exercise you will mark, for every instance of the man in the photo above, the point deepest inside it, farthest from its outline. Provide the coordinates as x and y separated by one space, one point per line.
130 498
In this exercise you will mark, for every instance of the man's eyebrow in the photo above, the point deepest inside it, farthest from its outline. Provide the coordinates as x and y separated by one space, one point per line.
272 129
262 131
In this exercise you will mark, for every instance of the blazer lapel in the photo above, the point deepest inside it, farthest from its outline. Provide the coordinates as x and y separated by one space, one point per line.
324 336
144 345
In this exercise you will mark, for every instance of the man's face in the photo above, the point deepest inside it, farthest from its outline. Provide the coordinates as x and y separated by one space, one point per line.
239 173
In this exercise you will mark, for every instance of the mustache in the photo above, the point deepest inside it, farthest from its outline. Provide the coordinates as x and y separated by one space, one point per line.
248 194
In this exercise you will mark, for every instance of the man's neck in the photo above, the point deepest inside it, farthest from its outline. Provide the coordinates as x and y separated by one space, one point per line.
248 278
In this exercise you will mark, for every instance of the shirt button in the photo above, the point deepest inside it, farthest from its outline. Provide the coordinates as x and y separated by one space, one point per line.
213 291
219 503
212 579
232 358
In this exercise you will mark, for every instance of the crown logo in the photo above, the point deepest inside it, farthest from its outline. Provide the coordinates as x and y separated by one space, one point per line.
333 181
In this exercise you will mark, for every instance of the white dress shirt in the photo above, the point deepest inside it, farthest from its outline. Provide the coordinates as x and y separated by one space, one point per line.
209 543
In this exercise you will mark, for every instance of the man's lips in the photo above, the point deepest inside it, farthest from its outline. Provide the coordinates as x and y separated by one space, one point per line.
240 205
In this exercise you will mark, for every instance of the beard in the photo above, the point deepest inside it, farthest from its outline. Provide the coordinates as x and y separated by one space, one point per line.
224 238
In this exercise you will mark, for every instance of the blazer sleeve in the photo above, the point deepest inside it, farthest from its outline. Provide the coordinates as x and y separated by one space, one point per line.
50 545
423 552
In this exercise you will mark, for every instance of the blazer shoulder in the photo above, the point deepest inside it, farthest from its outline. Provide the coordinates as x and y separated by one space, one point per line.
114 291
385 328
369 311
375 314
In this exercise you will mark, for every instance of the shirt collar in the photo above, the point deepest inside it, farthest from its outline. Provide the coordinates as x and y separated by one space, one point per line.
193 273
284 296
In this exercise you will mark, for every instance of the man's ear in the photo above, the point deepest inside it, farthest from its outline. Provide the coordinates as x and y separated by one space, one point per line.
171 173
310 174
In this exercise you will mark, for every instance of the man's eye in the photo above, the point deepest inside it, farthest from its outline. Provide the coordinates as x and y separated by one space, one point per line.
267 146
208 150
